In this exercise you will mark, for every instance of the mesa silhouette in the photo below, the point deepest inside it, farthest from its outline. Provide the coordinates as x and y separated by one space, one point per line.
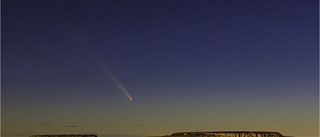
226 134
65 135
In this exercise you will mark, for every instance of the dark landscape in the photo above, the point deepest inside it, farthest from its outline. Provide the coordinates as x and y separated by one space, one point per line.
191 134
226 134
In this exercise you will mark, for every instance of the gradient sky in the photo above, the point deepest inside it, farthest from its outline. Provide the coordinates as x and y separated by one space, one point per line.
217 65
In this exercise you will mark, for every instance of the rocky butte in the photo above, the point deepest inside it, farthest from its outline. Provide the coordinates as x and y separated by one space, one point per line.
65 135
226 134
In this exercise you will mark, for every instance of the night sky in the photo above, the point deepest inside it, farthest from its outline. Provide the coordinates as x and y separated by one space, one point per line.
71 66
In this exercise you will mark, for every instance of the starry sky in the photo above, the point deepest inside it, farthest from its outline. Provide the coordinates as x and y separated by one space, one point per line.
209 65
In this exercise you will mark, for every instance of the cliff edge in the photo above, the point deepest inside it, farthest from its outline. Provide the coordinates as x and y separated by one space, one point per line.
226 134
65 135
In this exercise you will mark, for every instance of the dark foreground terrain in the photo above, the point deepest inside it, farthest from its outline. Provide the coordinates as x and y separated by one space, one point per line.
65 135
190 134
226 134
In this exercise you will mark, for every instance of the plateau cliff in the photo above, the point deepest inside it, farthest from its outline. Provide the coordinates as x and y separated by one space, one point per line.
226 134
65 135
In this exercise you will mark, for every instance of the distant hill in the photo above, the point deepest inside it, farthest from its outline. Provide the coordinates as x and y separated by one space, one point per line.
65 135
226 134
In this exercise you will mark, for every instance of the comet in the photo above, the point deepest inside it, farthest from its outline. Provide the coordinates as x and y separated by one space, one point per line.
85 45
111 76
108 72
